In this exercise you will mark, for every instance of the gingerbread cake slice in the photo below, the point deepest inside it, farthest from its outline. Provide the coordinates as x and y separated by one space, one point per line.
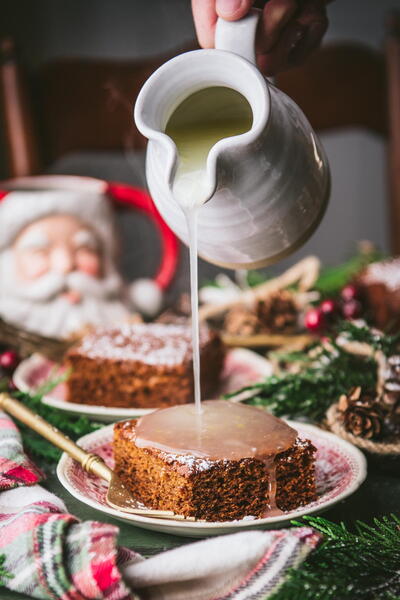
239 461
141 365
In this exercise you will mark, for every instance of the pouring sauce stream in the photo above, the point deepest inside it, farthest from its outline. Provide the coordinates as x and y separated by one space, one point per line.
216 429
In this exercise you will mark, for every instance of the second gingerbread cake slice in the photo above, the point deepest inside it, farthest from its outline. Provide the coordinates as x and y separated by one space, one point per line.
146 365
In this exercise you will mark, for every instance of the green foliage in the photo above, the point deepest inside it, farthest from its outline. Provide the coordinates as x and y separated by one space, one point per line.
349 565
324 372
256 277
388 344
310 392
37 446
300 357
4 574
53 380
252 278
333 279
211 283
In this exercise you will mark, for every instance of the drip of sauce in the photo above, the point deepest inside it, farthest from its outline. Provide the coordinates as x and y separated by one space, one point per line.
200 121
210 430
270 468
191 220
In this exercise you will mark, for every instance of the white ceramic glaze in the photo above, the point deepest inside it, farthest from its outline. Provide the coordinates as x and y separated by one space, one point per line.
340 470
267 188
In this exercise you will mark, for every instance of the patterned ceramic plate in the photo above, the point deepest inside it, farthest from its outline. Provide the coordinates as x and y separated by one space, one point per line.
242 367
340 470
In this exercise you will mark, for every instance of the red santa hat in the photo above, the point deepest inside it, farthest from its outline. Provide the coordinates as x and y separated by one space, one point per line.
25 200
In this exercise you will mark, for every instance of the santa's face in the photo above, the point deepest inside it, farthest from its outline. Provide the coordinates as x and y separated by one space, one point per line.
56 278
58 244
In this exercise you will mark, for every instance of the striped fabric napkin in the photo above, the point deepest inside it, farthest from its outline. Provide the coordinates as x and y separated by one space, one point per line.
50 554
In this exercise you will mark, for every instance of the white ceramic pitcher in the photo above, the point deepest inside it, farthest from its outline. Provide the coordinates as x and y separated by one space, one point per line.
268 188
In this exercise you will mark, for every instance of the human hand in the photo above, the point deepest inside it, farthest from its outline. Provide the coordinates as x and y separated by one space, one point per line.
288 30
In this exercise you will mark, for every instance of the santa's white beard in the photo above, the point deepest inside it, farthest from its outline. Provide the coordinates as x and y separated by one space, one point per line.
38 306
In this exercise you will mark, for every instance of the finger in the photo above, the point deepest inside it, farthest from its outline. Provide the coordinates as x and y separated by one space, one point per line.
205 19
309 43
275 16
298 39
312 11
314 21
232 10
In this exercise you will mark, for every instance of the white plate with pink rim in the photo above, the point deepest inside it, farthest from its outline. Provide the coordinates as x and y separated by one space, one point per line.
340 470
242 367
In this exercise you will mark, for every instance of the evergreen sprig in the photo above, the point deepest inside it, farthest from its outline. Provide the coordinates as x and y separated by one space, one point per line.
72 426
310 392
333 279
388 344
4 574
349 565
325 372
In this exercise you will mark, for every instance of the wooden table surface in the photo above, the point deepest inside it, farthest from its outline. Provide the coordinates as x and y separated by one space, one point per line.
379 495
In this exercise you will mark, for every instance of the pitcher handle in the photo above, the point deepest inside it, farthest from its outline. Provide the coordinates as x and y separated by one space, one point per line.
238 36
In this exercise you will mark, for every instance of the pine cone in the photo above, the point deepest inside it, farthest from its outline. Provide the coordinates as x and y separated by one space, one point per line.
241 320
361 414
278 313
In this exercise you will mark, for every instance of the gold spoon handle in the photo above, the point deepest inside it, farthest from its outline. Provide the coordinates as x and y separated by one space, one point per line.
90 462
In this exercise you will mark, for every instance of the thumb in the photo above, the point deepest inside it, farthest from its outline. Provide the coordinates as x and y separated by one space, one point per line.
232 10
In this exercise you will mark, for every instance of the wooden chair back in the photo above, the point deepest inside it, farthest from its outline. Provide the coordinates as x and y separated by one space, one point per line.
77 104
392 49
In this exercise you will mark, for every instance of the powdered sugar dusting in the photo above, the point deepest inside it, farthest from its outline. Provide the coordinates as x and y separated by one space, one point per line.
193 463
150 343
386 272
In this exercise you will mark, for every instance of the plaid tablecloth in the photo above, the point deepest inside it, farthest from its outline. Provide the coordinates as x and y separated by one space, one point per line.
50 554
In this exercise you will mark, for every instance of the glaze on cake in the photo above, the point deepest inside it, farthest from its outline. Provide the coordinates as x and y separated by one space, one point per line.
217 470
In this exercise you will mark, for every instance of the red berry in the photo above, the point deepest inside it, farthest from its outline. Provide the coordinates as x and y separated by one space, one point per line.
329 307
350 292
9 360
352 309
314 319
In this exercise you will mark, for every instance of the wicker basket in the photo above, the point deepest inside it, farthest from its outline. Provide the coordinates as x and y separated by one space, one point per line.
383 454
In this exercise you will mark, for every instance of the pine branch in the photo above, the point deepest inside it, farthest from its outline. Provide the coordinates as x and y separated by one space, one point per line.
333 279
325 372
388 344
256 277
302 357
311 392
349 565
4 574
37 446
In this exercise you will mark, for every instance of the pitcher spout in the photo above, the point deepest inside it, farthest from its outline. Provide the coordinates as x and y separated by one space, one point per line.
185 76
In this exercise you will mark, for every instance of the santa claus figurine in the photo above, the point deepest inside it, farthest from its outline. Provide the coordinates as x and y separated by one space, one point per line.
57 255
